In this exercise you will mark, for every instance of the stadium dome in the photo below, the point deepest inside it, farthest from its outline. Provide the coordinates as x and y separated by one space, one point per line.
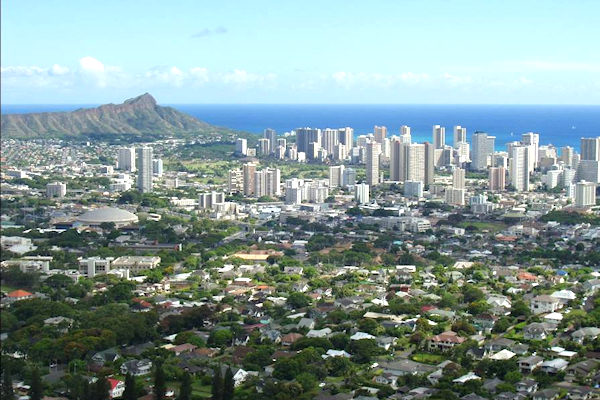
107 214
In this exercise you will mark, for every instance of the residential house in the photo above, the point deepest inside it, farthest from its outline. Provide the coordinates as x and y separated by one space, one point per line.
554 366
546 394
117 388
544 304
291 338
536 331
527 386
528 364
444 341
587 333
136 367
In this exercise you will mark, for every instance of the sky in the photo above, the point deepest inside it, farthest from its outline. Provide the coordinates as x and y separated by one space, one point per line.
399 52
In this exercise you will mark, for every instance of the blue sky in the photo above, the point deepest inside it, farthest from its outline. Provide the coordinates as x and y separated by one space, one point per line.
474 52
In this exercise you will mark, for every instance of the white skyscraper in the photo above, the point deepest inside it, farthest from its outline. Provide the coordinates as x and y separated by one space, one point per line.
373 152
126 159
482 148
458 178
336 175
267 182
460 136
361 193
264 146
439 137
379 133
329 139
519 167
346 138
532 140
144 166
405 134
585 194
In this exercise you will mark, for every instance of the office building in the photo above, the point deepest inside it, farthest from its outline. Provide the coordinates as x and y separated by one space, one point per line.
144 167
305 136
460 136
248 171
271 136
336 174
126 159
208 200
56 189
373 152
396 160
241 147
361 193
497 178
413 189
439 137
458 178
482 149
379 133
519 167
590 149
585 194
157 167
429 166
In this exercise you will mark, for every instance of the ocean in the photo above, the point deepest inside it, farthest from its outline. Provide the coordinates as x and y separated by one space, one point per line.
557 124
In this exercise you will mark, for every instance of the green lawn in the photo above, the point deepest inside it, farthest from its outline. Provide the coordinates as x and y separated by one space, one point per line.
493 227
427 358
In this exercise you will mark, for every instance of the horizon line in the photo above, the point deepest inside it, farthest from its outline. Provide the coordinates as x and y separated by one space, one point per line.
318 104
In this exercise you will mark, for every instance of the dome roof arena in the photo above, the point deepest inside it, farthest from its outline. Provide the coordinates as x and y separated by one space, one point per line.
107 214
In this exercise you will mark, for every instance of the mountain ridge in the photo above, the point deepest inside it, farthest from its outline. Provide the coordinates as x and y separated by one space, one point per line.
138 116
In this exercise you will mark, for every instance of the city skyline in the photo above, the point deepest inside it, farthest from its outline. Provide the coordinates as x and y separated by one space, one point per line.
461 52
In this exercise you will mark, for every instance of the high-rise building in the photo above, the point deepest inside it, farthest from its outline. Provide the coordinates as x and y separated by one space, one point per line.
405 134
144 167
208 200
329 139
264 146
460 136
397 160
56 189
349 177
519 167
590 148
585 194
413 189
458 178
566 155
497 178
439 137
373 152
126 159
455 196
462 155
249 170
336 175
532 140
305 136
235 181
241 146
414 163
361 193
293 191
157 167
271 136
589 170
379 133
429 166
267 182
482 148
346 138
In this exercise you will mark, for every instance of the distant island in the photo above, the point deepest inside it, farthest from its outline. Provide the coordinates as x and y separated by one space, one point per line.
140 117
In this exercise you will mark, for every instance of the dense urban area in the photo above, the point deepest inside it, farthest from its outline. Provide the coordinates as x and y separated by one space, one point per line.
315 264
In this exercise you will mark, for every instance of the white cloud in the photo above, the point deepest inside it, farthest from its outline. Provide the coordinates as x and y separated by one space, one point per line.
17 71
199 75
92 65
348 79
457 80
242 77
556 65
166 75
57 70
